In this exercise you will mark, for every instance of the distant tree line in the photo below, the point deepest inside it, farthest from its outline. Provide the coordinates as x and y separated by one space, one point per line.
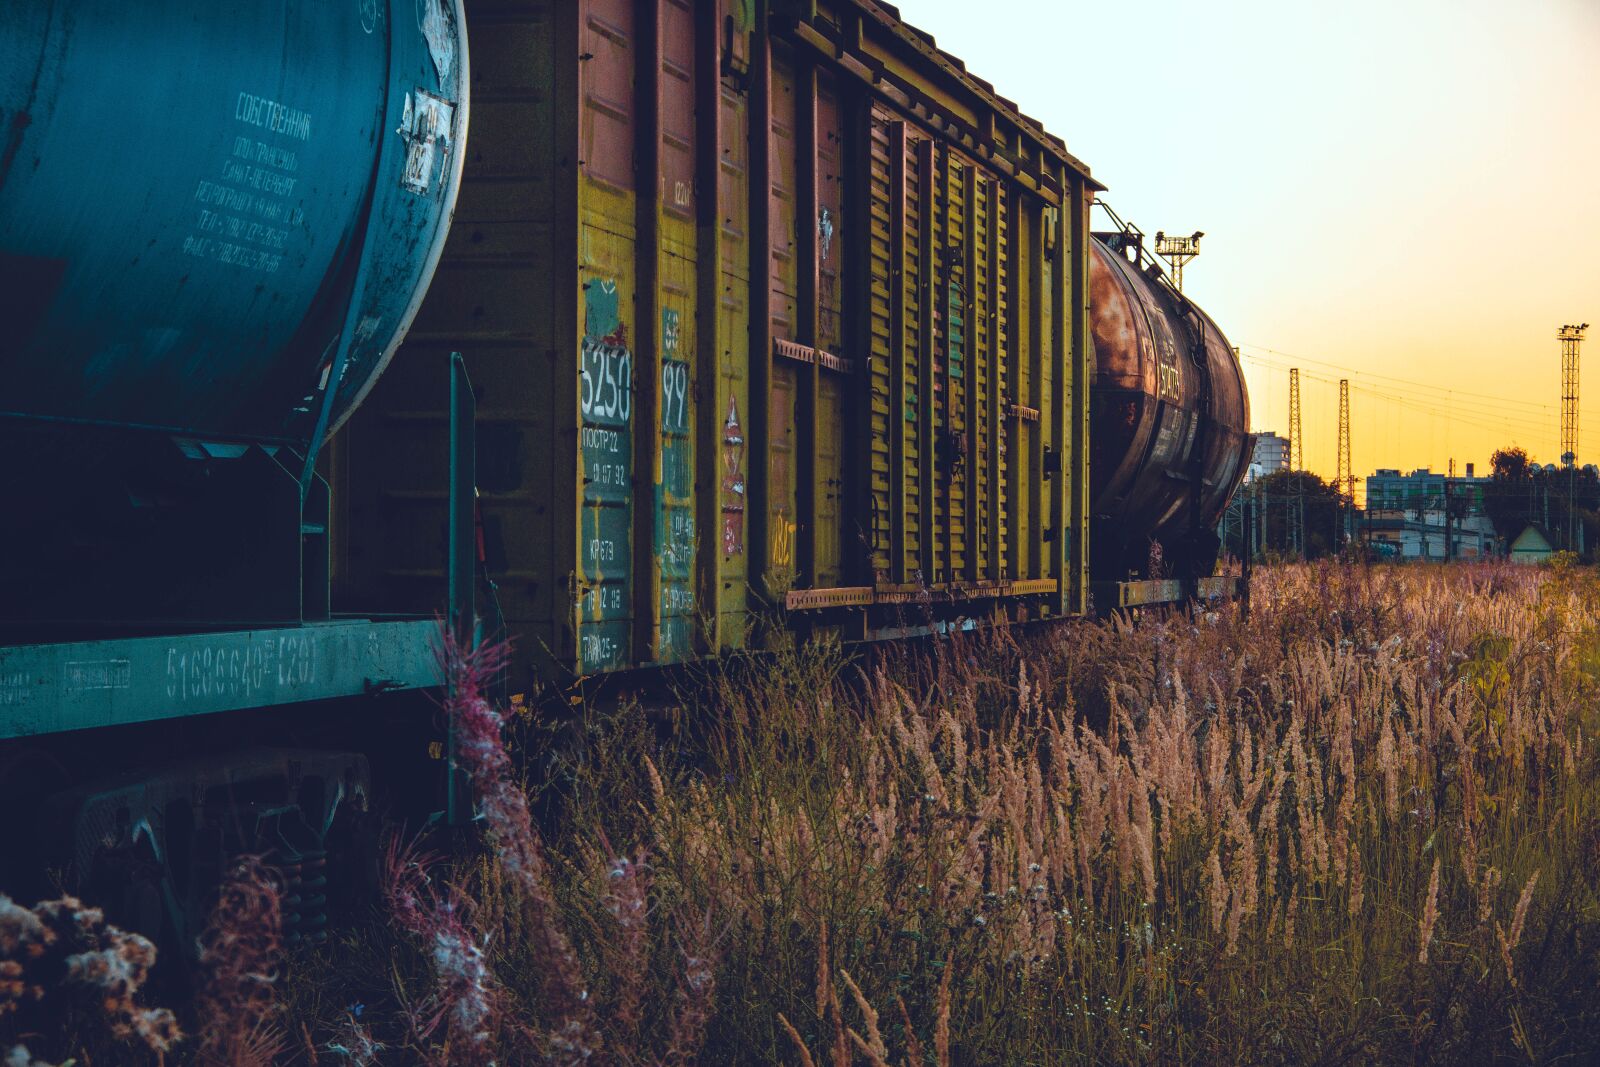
1294 513
1521 493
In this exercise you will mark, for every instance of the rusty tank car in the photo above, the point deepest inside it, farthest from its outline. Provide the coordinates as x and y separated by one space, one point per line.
1170 440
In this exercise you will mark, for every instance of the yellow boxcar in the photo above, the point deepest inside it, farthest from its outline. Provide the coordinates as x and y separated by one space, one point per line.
769 308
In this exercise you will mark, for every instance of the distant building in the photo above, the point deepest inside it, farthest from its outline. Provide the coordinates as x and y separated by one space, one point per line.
1531 546
1425 515
1271 455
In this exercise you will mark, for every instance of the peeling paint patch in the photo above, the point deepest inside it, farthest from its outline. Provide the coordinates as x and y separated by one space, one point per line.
600 310
437 31
83 676
426 126
733 495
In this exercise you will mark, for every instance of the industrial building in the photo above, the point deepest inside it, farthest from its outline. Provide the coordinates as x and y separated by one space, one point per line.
1271 455
1426 515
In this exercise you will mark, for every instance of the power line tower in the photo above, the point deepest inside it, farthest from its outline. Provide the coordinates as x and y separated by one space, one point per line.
1295 452
1178 251
1571 337
1297 525
1344 476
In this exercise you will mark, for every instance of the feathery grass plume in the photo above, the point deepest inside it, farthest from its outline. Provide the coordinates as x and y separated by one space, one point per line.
629 955
241 949
914 1054
467 999
1509 942
941 1018
1521 913
658 790
696 992
1430 915
352 1041
799 1042
1357 890
1487 884
1216 889
872 1046
503 805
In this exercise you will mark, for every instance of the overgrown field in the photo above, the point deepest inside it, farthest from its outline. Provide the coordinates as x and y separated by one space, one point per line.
1362 825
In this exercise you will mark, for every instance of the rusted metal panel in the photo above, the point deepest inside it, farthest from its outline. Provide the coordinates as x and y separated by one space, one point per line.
729 417
1170 418
1157 591
951 441
921 354
827 218
785 452
813 599
883 249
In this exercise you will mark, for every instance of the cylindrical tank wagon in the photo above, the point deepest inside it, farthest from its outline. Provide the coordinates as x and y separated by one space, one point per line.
215 229
201 213
1170 415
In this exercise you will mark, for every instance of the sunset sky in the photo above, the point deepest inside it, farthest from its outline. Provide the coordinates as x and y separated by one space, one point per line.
1405 193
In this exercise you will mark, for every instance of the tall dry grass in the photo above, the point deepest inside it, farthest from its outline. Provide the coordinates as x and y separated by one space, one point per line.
1363 823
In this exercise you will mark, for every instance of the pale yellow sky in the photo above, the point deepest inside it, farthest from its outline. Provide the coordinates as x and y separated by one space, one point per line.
1404 193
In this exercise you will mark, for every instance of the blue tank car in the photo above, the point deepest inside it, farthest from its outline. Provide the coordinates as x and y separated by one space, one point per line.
219 220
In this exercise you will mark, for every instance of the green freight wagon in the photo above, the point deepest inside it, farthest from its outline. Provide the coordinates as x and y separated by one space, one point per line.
767 309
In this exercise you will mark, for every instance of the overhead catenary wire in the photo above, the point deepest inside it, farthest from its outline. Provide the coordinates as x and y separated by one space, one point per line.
1453 398
1415 417
1294 360
1467 411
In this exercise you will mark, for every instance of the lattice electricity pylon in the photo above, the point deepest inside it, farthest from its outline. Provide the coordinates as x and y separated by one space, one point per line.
1571 337
1296 454
1344 475
1178 251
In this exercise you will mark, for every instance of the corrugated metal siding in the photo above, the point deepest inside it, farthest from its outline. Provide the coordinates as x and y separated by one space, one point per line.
909 416
831 220
783 461
958 389
732 401
983 289
885 348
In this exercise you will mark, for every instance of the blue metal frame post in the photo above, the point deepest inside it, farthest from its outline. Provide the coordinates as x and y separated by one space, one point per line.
463 560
